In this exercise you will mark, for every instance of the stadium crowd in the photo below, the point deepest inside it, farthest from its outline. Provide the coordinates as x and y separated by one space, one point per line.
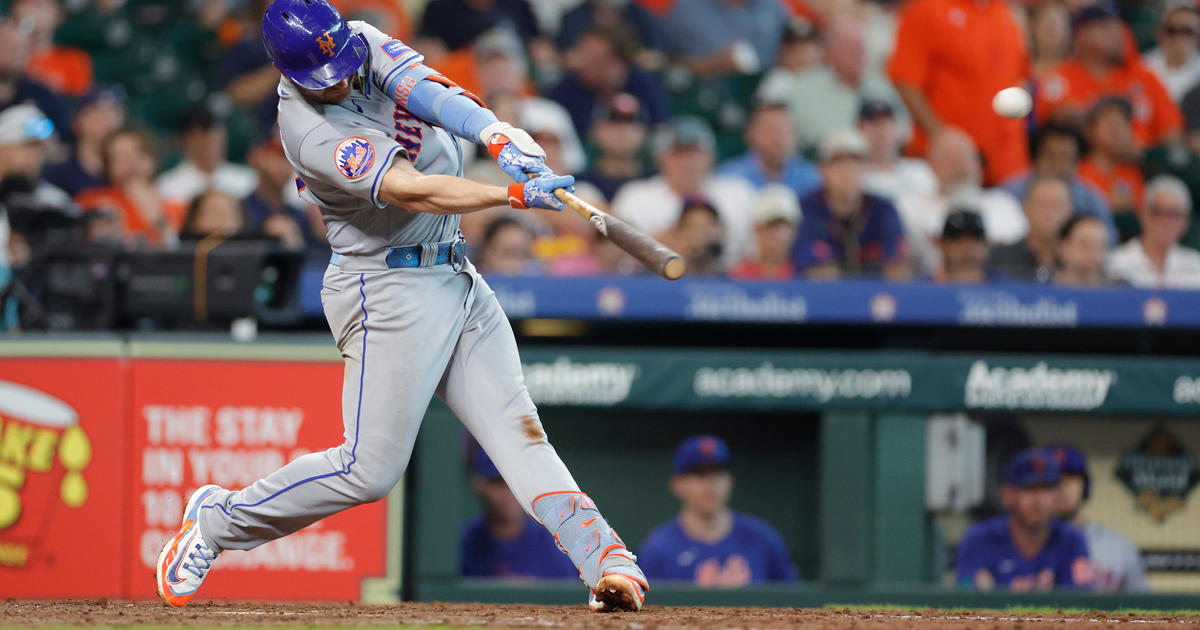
762 139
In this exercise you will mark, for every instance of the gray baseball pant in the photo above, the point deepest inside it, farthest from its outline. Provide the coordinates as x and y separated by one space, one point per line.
405 335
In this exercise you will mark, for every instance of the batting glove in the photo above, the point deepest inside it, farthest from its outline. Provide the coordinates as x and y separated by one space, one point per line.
517 154
539 192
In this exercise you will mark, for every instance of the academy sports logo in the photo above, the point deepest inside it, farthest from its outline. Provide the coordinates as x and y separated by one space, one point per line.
326 43
1038 387
354 157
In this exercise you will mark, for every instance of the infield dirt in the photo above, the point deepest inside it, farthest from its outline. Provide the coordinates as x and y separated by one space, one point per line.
219 614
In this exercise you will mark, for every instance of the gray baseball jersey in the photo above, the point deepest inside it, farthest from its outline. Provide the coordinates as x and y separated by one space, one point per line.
340 153
1116 560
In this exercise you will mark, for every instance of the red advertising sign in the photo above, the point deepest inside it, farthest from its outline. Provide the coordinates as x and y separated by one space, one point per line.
231 423
63 458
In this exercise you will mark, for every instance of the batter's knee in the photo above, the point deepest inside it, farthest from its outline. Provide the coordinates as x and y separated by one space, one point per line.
372 477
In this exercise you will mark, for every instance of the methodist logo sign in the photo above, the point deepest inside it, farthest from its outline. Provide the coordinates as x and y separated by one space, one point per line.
1159 473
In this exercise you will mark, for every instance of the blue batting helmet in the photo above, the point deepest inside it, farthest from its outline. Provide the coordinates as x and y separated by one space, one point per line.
311 43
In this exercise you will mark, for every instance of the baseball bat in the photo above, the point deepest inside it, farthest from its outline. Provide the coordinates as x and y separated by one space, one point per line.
657 257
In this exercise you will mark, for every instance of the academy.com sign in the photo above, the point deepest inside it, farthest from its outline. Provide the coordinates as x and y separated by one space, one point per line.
1038 387
821 385
567 382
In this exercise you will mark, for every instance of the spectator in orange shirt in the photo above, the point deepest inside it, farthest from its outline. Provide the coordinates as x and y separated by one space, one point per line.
1102 66
1111 163
951 58
63 69
130 162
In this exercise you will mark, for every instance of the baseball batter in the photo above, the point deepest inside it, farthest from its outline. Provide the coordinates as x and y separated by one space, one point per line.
374 136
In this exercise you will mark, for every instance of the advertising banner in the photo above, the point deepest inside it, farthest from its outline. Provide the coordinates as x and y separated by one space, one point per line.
63 457
231 423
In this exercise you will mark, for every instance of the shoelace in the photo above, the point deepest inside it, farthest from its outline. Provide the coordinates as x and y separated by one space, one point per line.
201 553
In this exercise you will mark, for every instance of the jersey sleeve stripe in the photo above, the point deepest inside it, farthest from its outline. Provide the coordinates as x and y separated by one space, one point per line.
383 168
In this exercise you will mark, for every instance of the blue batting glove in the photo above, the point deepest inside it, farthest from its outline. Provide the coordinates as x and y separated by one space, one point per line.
539 192
517 165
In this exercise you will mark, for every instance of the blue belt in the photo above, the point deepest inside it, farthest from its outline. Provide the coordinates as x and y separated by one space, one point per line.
410 256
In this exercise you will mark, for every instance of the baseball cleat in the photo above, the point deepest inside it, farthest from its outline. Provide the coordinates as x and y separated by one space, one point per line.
186 559
617 592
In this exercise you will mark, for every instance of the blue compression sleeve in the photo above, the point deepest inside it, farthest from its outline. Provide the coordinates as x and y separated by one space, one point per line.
439 104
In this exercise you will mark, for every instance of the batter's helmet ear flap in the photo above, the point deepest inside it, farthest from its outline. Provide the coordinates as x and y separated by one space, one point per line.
310 43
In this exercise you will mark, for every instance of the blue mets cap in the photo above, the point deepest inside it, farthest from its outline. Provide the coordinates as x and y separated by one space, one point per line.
701 451
1031 467
1070 460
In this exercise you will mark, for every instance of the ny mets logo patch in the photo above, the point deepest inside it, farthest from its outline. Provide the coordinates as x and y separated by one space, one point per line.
354 157
326 43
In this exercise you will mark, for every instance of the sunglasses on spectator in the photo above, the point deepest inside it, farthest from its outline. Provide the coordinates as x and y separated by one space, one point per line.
1176 31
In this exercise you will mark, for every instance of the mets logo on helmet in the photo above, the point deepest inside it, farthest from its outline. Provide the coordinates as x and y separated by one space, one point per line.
326 43
354 157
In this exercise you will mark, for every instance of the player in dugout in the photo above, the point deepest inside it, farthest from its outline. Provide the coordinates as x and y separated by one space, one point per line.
707 543
1116 561
1029 549
503 541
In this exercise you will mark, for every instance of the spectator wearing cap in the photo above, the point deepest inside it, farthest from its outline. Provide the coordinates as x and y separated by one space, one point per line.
274 209
16 86
1035 257
684 154
503 541
888 174
964 250
204 143
619 138
1155 259
825 97
1176 61
66 70
1082 250
773 156
799 50
24 136
776 216
1057 150
846 231
1116 562
723 37
599 68
97 115
950 58
145 217
708 544
697 235
626 15
1111 164
1028 549
1101 67
24 131
958 168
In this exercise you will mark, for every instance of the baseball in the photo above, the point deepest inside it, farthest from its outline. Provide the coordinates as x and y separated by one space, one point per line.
1013 103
